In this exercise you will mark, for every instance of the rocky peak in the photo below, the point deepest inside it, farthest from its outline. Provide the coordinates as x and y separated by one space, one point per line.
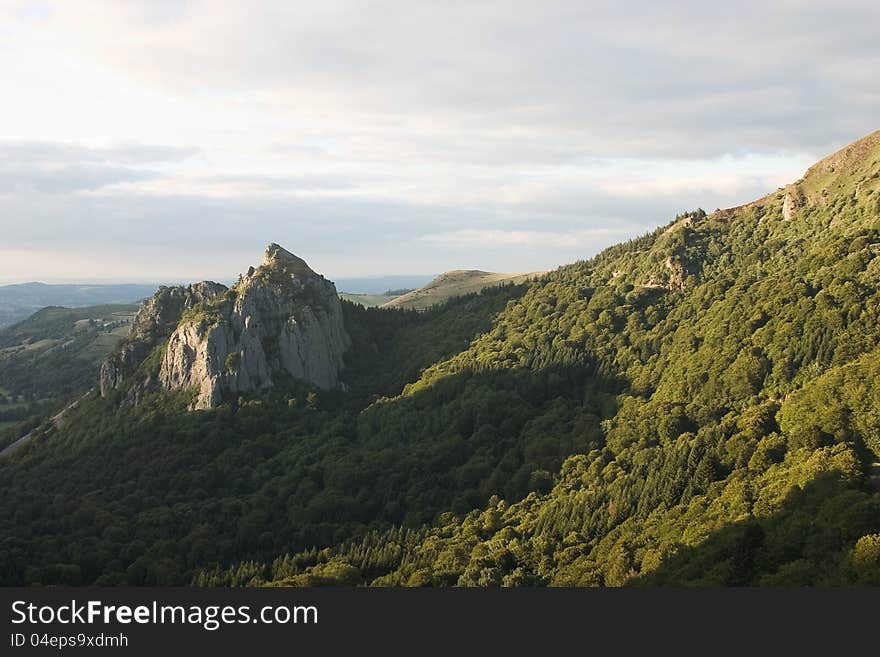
277 256
280 319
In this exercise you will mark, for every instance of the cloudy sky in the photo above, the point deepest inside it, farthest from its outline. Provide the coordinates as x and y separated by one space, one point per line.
161 140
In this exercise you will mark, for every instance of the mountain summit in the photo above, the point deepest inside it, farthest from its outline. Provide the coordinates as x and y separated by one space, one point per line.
279 319
849 173
277 256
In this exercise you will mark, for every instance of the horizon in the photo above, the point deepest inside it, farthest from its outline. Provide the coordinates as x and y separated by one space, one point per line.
366 285
172 141
225 280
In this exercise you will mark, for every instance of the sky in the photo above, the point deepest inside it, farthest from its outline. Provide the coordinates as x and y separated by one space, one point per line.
167 141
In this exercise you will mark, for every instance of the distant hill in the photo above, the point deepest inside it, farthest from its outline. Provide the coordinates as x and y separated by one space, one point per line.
368 300
21 300
56 351
454 284
53 355
380 284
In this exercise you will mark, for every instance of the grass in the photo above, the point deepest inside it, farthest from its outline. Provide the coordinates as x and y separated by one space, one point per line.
102 345
211 311
455 284
58 349
841 173
367 300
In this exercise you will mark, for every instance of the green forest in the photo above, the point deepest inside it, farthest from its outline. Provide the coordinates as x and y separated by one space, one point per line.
699 406
51 358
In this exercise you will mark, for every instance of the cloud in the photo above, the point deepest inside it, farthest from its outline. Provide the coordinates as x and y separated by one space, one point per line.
723 185
635 79
67 179
391 137
37 152
574 239
232 186
63 168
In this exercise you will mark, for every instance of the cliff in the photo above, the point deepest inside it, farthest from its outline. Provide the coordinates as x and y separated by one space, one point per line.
279 319
157 317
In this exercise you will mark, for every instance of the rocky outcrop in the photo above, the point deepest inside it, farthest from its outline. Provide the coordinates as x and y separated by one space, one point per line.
280 319
673 278
790 204
677 273
156 319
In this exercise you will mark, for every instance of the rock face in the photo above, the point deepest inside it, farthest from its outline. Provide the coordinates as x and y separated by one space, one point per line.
789 205
280 319
156 319
673 278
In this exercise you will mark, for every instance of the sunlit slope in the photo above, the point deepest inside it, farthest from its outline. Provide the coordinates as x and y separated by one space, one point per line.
741 346
453 284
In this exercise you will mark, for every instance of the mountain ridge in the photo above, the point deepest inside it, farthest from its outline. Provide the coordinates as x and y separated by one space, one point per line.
692 407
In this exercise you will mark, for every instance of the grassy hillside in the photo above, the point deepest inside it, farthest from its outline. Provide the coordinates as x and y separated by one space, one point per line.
53 355
367 300
453 284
